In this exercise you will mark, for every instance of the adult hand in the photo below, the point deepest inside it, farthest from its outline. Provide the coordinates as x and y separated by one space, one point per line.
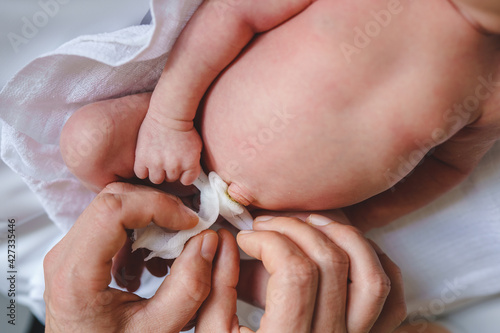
322 277
78 268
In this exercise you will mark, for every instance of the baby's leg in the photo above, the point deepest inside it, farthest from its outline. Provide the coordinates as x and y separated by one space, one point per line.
98 142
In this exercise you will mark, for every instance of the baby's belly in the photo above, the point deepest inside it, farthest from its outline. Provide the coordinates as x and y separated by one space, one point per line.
303 123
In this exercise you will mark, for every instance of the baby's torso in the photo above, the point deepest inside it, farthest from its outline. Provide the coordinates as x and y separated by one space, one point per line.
326 100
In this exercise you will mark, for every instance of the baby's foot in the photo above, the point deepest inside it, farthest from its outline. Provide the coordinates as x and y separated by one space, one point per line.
98 142
164 153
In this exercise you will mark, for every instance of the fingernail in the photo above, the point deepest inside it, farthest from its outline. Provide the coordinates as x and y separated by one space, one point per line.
209 246
245 232
318 220
263 218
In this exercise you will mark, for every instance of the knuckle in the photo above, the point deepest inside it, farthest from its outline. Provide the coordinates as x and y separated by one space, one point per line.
115 187
380 285
300 271
108 204
330 257
352 231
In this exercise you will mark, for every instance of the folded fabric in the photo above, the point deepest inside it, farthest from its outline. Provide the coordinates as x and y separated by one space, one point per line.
36 103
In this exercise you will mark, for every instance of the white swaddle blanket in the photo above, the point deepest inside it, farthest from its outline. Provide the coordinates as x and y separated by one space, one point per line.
36 103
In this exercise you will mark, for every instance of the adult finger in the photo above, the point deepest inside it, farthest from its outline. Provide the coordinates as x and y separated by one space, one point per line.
333 267
218 313
292 285
370 285
394 311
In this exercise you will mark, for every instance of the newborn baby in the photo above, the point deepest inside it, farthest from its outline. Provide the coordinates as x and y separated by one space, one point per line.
326 104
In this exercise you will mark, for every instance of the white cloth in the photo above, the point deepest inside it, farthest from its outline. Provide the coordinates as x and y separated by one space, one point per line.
480 317
30 28
449 251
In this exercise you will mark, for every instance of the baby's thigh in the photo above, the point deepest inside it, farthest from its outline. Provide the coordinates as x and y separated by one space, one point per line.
98 141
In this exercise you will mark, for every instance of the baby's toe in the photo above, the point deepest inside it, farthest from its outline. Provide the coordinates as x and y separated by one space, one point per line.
140 170
188 177
172 174
156 175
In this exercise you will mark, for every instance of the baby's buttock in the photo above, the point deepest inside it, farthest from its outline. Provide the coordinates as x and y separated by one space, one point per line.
308 117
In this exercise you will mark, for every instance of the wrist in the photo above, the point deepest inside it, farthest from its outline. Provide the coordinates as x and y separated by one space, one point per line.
181 125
